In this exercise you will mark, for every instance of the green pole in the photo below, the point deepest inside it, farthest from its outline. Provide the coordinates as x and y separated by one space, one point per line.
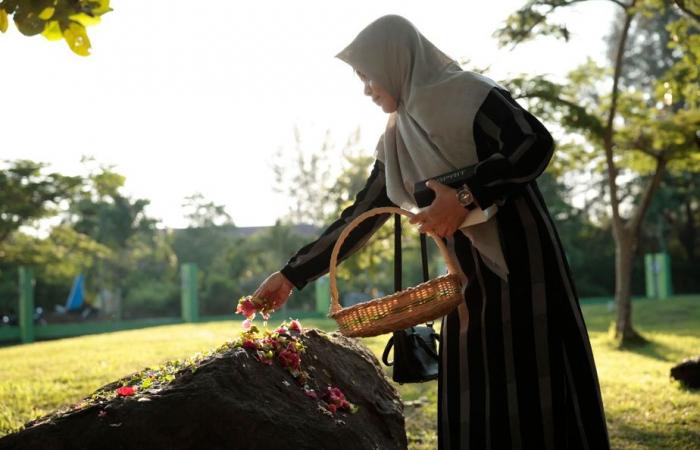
650 276
663 262
190 307
323 296
26 304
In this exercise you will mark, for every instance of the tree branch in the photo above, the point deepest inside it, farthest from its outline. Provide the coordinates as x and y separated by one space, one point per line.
619 3
641 209
609 130
683 7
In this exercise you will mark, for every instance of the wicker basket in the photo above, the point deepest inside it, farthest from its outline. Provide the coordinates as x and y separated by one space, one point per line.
422 303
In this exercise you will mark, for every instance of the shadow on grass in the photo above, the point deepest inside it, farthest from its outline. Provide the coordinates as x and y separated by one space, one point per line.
649 348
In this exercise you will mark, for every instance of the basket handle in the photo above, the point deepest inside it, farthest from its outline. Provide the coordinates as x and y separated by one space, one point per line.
452 267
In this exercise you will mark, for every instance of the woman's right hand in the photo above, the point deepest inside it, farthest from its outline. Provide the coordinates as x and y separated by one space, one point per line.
276 289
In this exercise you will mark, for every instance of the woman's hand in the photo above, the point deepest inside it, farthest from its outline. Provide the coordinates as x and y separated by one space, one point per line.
444 216
276 289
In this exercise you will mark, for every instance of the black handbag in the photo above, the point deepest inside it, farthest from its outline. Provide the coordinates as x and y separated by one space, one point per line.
416 357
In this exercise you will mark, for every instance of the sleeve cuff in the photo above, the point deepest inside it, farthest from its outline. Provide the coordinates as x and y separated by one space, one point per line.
487 171
289 274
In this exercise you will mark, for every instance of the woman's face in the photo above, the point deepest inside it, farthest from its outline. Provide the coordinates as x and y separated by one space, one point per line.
379 95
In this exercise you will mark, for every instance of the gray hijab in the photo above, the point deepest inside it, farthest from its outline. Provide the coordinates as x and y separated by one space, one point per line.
431 131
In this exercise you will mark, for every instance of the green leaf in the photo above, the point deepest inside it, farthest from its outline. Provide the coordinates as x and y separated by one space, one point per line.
28 22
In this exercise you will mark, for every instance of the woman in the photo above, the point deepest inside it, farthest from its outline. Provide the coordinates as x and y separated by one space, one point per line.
516 364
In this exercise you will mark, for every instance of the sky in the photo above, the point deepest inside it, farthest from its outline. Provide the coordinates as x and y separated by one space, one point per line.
184 99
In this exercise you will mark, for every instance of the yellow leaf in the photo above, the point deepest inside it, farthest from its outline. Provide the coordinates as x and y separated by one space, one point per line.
52 32
77 39
47 13
102 8
3 20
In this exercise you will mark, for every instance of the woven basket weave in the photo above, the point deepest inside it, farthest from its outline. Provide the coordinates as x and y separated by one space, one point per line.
406 308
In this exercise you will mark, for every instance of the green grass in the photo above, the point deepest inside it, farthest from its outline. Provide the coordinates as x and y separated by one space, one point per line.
644 407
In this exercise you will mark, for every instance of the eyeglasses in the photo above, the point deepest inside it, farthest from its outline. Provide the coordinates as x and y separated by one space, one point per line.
364 78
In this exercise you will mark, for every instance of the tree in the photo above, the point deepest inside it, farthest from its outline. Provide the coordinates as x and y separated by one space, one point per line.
27 194
202 213
99 210
55 19
624 135
305 180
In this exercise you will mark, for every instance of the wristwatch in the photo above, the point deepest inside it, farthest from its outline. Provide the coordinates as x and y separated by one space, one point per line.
466 198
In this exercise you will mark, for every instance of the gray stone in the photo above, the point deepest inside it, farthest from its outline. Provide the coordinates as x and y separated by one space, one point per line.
232 401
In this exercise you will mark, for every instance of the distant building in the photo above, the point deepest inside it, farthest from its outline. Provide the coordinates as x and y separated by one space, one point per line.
304 229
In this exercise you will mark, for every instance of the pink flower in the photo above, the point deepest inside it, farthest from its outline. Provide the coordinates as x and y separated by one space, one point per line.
126 391
336 397
246 307
311 393
335 394
247 324
295 325
281 330
290 358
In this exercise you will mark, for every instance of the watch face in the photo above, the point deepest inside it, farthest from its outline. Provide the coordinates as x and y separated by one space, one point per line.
465 197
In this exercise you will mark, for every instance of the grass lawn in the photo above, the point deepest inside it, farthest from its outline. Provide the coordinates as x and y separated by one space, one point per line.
644 407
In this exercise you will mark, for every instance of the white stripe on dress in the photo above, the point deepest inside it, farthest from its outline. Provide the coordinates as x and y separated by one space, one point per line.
572 303
539 319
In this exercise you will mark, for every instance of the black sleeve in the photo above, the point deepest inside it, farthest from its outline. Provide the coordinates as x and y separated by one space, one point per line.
313 260
514 148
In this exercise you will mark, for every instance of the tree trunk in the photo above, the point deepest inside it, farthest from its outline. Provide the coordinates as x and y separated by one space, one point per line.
625 249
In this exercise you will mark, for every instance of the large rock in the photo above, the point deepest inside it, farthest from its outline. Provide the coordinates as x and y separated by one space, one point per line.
688 372
233 401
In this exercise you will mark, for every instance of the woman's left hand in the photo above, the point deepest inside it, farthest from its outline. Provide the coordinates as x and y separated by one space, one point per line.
444 216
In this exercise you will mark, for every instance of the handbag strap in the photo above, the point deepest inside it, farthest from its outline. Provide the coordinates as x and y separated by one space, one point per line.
426 347
398 256
397 253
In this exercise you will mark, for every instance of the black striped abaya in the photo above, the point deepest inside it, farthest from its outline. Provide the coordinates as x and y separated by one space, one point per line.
516 370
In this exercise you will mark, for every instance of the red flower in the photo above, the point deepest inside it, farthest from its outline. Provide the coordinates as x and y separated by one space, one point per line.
335 394
290 358
250 345
281 330
331 407
126 391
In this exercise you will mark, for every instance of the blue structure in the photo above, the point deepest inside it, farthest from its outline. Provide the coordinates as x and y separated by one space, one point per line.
76 298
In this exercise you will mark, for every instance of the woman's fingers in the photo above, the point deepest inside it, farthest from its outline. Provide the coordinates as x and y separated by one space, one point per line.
417 218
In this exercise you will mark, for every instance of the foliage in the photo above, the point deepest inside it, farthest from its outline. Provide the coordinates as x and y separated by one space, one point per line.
27 194
55 19
625 126
304 176
202 213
